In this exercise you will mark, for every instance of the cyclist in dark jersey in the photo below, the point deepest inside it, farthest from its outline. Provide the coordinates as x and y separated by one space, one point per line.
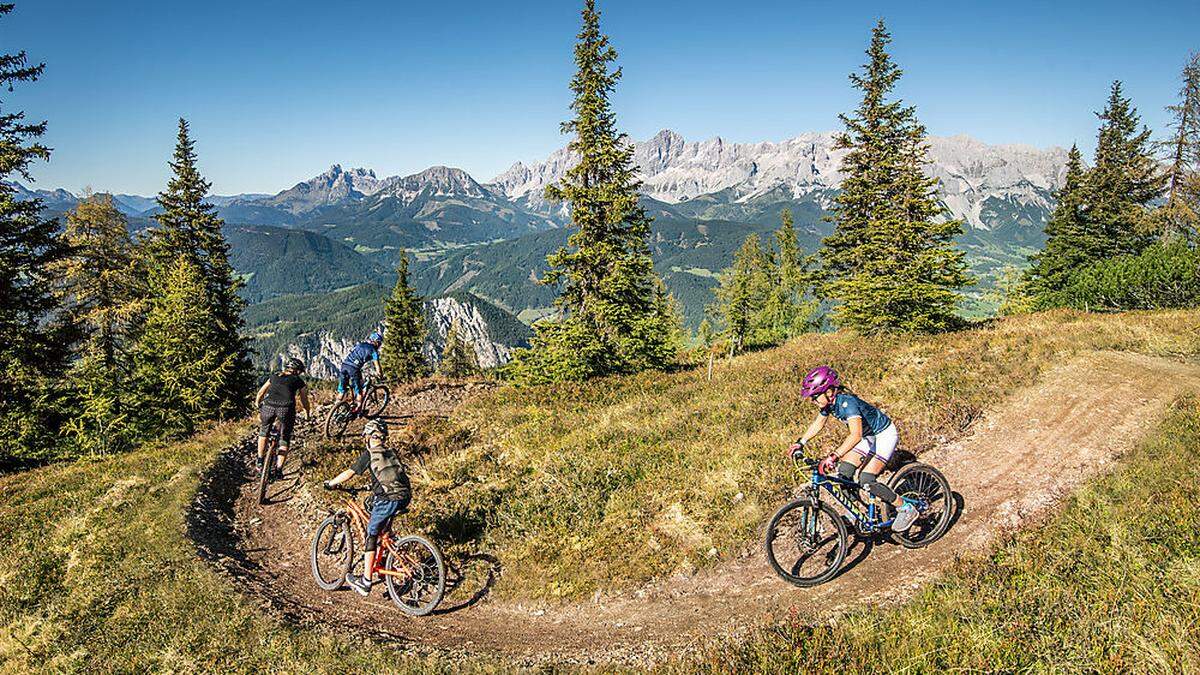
276 403
350 376
871 441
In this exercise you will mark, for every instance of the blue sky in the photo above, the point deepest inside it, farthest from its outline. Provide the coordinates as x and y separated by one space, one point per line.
278 91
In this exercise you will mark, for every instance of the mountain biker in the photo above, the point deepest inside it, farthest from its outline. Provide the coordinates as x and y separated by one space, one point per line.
390 491
350 375
276 402
872 438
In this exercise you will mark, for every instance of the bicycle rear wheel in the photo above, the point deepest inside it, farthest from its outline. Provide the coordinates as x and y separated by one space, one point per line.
925 484
806 544
264 472
338 419
375 401
416 575
332 552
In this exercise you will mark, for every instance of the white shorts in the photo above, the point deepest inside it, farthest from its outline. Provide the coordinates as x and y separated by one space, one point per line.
881 445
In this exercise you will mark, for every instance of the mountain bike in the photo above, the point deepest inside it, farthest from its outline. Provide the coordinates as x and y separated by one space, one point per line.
375 400
807 538
268 463
413 567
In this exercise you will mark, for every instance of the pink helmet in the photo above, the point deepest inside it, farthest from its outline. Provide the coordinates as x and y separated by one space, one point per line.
818 381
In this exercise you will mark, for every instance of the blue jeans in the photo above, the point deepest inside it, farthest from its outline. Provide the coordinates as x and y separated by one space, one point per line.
350 378
382 511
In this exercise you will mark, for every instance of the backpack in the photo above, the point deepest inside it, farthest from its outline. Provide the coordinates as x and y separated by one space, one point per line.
389 471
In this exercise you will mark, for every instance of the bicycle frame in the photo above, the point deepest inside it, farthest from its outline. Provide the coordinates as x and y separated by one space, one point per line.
360 519
868 522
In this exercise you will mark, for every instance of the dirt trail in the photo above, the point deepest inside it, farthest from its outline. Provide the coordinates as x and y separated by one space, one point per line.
1087 411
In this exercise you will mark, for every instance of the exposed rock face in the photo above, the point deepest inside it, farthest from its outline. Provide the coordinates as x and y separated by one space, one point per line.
441 313
674 170
493 335
332 187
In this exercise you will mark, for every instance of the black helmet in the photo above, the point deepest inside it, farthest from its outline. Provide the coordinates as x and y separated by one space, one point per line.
295 365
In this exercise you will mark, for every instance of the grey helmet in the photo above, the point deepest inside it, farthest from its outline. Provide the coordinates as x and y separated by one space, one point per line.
375 428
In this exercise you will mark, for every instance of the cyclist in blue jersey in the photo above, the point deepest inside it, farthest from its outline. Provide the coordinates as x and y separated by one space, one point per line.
350 378
872 439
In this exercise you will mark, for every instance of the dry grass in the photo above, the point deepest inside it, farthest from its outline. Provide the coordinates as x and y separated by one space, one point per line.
608 484
1111 584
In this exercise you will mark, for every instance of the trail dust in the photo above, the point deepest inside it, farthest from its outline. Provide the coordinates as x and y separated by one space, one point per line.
1015 464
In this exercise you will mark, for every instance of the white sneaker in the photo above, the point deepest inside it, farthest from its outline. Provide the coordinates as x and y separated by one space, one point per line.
905 516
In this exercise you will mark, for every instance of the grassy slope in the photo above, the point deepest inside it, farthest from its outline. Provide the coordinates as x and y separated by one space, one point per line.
608 484
1111 584
96 573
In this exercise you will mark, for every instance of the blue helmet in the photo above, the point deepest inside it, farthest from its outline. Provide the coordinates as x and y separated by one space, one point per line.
376 338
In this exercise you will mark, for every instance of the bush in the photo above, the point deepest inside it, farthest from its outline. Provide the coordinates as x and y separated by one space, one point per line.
1164 276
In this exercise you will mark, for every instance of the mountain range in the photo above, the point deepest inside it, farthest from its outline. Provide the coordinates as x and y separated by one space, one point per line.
706 196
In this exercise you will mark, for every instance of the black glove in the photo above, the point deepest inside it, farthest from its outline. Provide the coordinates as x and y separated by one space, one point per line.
326 485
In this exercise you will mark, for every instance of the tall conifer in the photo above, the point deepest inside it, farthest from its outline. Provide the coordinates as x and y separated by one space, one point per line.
1124 180
31 350
890 264
608 317
1180 216
458 355
1070 243
188 230
102 295
404 329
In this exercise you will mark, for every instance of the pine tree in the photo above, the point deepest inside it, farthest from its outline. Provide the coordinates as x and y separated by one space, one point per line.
1180 216
890 264
31 352
1070 243
459 359
189 230
186 377
102 296
608 320
1123 182
404 329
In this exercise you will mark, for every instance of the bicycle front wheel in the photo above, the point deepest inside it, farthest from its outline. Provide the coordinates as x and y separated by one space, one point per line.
928 487
416 575
375 401
332 552
806 544
338 419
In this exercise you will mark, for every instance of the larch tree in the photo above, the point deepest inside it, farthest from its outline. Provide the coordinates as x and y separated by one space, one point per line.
1180 215
404 329
102 295
608 321
890 264
458 354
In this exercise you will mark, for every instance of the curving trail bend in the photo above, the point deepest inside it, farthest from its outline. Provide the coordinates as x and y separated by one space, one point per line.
1087 411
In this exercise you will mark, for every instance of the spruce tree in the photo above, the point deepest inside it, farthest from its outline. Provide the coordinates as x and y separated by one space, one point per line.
1180 216
404 329
890 264
1123 182
742 294
458 355
31 349
1070 241
102 296
189 230
186 376
608 320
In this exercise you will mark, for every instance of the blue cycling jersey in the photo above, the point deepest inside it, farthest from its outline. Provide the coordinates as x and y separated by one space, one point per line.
360 355
846 406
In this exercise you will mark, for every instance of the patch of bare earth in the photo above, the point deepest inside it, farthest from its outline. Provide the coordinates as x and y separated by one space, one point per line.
1014 465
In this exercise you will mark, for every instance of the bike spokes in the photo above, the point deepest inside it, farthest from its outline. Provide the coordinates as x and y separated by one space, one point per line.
806 543
927 489
416 575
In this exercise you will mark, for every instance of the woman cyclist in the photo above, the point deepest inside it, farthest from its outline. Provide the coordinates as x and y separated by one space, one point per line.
872 439
276 402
